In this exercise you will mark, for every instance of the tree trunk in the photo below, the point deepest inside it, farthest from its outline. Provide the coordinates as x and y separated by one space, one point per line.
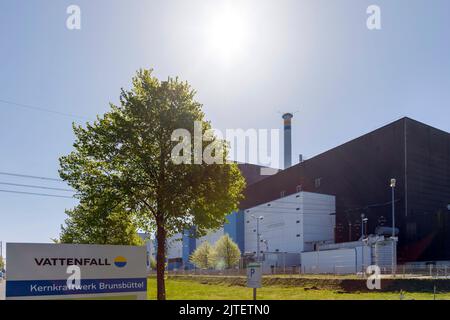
161 261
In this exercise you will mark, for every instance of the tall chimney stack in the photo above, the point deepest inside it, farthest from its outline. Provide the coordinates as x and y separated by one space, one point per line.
287 140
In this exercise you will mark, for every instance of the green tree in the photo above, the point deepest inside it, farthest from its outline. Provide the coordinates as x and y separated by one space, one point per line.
226 253
125 159
2 263
152 263
202 257
94 224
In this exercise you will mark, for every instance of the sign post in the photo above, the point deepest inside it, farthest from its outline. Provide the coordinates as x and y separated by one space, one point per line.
75 271
254 275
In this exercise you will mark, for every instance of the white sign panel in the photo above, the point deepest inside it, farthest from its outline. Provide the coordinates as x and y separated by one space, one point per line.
254 274
40 271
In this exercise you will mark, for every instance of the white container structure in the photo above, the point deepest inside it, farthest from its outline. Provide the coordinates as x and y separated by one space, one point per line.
339 261
349 257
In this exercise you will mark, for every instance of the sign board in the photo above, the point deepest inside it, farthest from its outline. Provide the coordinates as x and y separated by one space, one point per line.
40 271
254 275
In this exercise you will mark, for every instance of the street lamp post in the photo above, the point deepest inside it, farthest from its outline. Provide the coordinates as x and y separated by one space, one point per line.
267 244
363 220
392 185
258 240
349 231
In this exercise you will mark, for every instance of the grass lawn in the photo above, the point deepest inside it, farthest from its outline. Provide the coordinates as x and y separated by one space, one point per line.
184 289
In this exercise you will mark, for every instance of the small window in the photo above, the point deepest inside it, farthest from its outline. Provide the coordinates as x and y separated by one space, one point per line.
298 188
297 196
254 230
282 193
298 236
318 182
298 221
277 250
268 204
297 209
248 221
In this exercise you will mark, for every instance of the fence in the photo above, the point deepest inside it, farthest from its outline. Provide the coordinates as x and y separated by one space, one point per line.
402 271
420 271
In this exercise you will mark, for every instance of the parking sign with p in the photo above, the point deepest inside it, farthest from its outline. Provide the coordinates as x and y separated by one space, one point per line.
254 274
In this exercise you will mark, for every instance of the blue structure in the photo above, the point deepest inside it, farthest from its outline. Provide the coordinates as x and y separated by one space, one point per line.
189 245
175 265
235 228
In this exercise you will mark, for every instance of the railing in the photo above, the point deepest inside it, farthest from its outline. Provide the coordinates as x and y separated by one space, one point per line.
205 272
422 271
401 271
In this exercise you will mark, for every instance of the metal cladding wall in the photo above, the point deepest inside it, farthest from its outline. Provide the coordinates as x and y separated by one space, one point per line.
211 237
251 172
291 224
189 242
341 261
235 228
427 227
358 174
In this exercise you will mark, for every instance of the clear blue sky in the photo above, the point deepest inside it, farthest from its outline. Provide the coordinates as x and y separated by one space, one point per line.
313 55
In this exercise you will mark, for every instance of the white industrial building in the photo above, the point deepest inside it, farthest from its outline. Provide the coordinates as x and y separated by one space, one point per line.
296 232
350 257
287 227
292 224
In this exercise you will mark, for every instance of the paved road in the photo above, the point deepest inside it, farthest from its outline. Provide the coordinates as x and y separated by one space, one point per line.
2 289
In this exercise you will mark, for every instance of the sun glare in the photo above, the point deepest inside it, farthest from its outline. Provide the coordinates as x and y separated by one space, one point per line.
227 32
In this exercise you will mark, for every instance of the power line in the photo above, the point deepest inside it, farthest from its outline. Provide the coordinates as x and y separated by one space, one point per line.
29 176
37 194
27 106
34 186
